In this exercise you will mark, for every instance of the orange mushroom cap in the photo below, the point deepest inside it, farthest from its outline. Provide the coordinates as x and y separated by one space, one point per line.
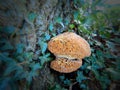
64 65
69 49
69 45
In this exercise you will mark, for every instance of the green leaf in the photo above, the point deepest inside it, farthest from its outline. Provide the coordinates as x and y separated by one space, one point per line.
30 76
19 48
47 36
67 82
31 16
4 57
80 76
58 20
43 46
82 85
19 73
72 26
44 58
53 34
28 56
8 29
111 45
36 66
76 14
67 21
51 27
19 58
4 83
96 73
7 46
57 87
62 77
115 74
88 21
11 68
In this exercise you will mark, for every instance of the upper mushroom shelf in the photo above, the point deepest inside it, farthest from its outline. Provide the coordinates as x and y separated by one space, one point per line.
68 46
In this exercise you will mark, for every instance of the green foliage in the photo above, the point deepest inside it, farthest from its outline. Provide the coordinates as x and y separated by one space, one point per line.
58 20
57 87
44 58
97 27
43 46
72 26
7 29
65 81
113 15
96 23
80 77
51 27
31 17
47 36
17 64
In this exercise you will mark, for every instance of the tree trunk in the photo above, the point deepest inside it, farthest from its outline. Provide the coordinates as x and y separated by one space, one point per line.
29 30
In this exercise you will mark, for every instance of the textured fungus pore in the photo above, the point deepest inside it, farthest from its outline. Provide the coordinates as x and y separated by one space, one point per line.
69 49
64 65
69 45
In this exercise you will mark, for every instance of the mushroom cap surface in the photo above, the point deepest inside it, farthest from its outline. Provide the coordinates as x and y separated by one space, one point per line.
69 45
64 65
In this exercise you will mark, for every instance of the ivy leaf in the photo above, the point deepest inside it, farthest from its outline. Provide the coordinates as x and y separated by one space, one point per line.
43 46
97 75
7 46
19 48
53 34
80 76
76 14
82 85
10 68
71 26
51 27
67 82
28 56
32 16
35 66
47 36
67 21
19 73
4 83
58 20
5 58
8 29
57 87
30 76
115 74
44 58
97 3
88 21
62 77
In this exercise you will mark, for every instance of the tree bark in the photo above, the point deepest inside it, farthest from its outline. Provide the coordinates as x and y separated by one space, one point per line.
15 13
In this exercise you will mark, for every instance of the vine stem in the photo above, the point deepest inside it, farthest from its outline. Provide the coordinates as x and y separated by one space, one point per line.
70 87
22 63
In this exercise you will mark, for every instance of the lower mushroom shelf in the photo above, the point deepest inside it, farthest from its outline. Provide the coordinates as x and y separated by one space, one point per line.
65 65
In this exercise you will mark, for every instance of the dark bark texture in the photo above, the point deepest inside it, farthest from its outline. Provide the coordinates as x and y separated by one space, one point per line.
15 13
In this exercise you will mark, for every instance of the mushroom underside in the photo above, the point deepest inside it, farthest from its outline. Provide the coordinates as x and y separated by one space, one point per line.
65 65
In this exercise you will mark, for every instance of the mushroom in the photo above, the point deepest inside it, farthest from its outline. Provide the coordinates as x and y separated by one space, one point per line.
69 49
64 65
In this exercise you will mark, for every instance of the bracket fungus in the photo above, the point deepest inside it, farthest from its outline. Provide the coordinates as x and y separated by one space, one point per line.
69 49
